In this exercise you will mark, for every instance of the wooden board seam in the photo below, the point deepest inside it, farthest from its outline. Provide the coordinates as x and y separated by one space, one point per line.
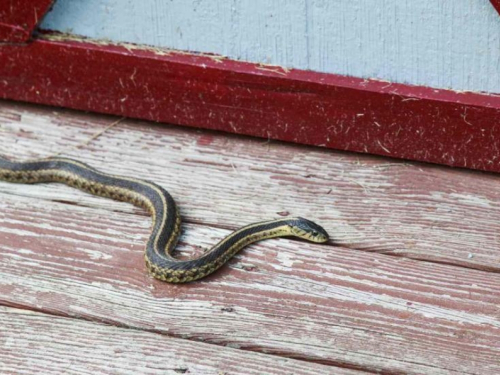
117 324
142 213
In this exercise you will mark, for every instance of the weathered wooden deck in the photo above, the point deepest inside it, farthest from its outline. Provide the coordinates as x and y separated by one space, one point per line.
409 284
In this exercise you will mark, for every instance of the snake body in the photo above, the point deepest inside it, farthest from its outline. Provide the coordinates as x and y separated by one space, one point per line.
166 219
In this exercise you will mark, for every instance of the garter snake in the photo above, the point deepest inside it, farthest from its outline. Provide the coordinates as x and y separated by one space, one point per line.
166 219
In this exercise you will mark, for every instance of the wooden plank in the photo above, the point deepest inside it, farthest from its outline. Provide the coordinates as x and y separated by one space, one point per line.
374 204
419 123
18 18
31 341
322 304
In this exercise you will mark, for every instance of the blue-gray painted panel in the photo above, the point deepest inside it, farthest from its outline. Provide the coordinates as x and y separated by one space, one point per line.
440 43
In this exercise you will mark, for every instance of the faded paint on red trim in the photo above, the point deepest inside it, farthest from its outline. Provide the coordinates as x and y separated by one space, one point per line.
419 123
18 18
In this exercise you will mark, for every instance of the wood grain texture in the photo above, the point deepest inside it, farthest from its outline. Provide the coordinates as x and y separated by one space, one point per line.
293 299
374 204
324 304
31 341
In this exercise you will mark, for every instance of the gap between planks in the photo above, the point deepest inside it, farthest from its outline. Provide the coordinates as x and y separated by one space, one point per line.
342 308
31 340
366 203
361 297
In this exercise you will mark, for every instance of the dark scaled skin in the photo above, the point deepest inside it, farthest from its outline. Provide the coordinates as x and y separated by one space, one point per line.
166 224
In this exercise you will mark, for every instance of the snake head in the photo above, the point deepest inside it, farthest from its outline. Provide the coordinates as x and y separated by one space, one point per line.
308 230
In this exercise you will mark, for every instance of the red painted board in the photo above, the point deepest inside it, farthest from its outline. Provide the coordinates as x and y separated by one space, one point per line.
18 18
496 4
453 128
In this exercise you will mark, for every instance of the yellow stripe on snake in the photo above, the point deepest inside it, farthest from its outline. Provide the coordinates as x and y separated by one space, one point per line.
166 219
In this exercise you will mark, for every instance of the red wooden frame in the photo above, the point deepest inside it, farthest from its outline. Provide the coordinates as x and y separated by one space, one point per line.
496 5
18 18
419 123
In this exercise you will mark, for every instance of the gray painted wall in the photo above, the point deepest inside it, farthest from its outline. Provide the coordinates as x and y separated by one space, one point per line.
439 43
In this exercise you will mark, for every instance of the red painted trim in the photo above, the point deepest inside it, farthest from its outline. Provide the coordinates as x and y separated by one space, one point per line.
496 5
419 123
18 18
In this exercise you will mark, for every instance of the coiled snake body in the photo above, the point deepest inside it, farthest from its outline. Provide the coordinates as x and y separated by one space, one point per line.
166 219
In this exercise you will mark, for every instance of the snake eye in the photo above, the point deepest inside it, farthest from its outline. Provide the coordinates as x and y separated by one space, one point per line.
314 233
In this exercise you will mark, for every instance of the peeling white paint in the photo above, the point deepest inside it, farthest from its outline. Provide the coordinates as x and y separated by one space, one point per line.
324 303
473 200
